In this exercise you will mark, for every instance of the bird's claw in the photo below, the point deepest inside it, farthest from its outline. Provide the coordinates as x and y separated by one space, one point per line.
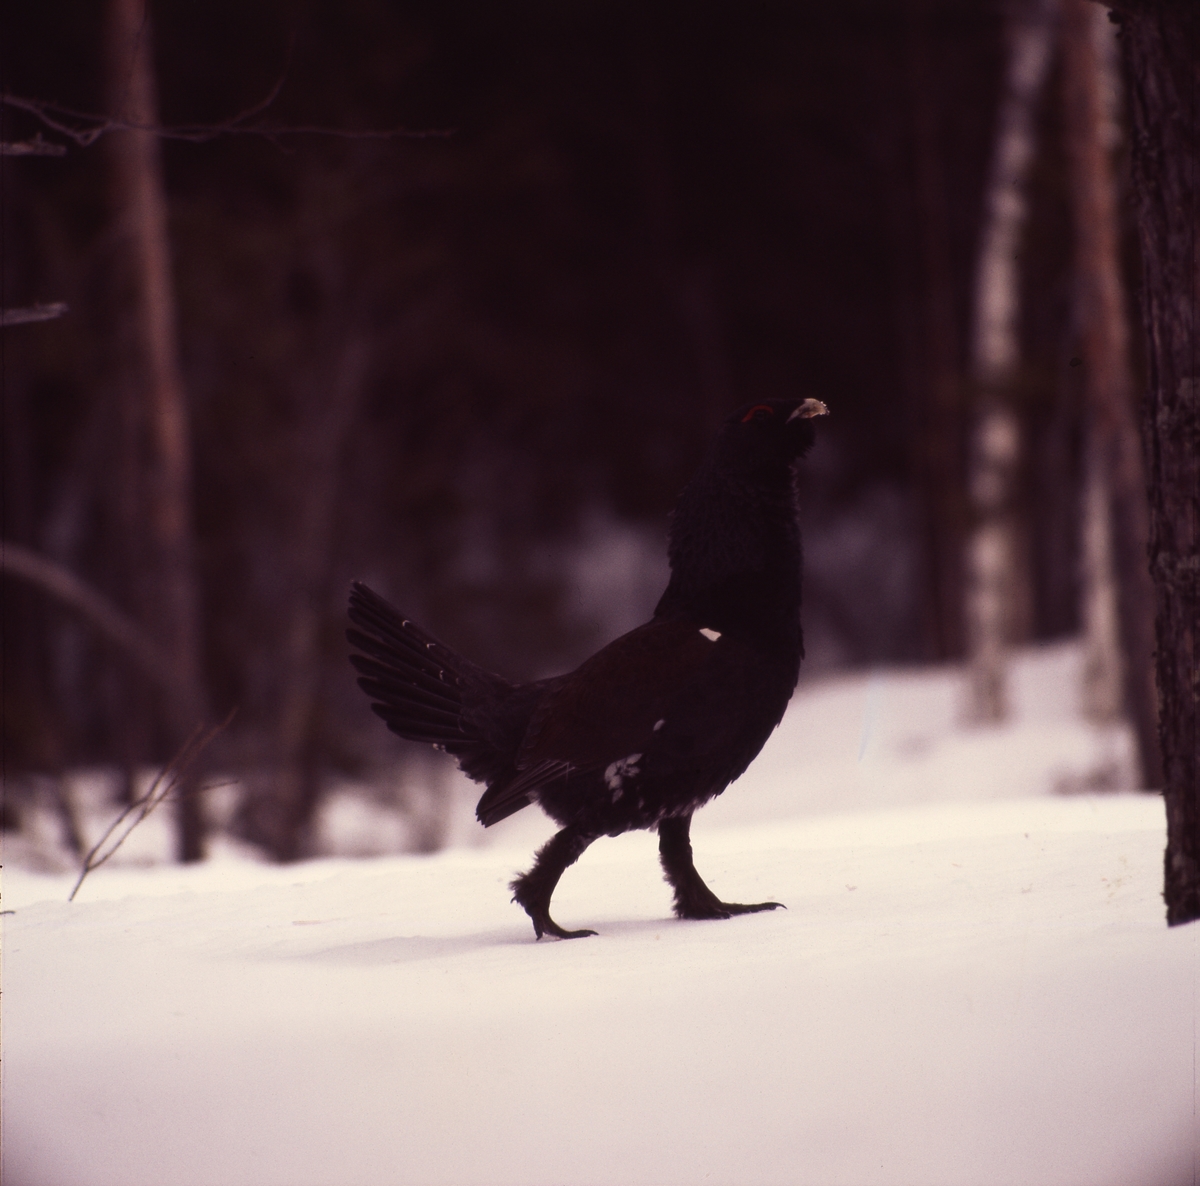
719 909
751 907
545 925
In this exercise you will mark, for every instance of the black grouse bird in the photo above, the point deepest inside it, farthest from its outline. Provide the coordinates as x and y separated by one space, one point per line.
659 721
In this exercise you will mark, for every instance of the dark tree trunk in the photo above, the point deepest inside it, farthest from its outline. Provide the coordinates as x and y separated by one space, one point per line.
937 385
1107 378
320 448
157 407
1161 46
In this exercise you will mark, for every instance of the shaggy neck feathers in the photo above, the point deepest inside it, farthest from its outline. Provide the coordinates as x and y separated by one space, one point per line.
735 554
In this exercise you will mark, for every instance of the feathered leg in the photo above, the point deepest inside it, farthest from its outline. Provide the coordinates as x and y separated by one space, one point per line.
693 899
534 889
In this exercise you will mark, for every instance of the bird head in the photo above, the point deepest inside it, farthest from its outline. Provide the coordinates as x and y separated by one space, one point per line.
765 434
735 543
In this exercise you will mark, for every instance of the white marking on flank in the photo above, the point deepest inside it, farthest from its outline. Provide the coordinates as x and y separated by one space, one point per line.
711 635
659 724
616 772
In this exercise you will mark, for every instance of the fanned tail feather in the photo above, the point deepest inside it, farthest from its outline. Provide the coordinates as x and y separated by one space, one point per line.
416 682
424 691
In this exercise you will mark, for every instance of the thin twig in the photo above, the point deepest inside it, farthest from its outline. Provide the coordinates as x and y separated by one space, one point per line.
164 783
32 312
85 127
21 562
35 147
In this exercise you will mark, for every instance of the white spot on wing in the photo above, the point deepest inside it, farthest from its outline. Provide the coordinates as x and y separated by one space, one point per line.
711 635
659 724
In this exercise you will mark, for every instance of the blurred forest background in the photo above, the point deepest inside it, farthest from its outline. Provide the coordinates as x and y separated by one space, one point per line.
474 365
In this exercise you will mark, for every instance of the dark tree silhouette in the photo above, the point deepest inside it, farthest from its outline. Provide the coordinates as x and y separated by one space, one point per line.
1161 45
154 407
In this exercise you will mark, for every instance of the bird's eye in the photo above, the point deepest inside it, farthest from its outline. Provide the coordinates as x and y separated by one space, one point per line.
758 412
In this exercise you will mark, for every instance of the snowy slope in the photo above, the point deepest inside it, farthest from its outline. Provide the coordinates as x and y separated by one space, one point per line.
851 742
968 987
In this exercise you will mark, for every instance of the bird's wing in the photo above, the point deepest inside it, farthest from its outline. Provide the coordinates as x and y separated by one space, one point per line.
670 700
672 689
614 705
619 701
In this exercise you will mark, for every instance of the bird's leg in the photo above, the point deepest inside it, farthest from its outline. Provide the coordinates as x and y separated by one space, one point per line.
693 899
534 889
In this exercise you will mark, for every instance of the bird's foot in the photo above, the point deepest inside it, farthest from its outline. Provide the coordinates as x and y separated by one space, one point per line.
751 907
718 909
537 906
543 924
532 891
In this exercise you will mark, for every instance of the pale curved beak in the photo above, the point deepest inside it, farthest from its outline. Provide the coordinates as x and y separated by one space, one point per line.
809 409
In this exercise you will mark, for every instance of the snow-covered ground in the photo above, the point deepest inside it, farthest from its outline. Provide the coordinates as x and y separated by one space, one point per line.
973 983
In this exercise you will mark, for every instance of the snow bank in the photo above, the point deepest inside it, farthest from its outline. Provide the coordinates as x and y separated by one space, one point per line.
971 992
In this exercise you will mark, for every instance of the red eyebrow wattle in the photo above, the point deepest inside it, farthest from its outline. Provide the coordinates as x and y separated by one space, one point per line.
757 408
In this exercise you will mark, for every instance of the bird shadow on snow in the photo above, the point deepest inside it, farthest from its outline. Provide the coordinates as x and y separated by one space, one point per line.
401 949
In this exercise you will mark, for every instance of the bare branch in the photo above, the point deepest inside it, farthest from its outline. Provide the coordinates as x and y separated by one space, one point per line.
171 775
32 312
85 127
35 147
63 585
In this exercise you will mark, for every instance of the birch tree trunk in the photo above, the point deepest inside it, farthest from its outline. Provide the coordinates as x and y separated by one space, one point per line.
993 568
165 511
1161 46
1116 498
